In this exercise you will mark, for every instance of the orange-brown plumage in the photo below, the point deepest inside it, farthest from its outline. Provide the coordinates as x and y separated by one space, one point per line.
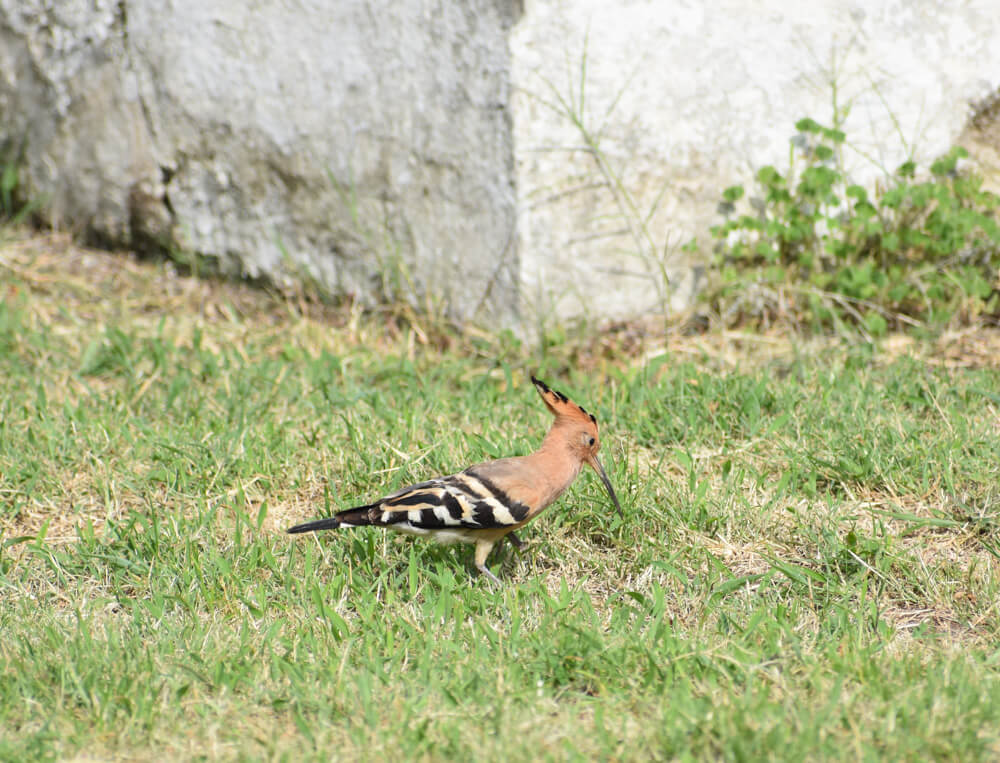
489 501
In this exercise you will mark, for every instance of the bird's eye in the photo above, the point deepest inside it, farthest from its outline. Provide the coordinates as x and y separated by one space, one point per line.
590 442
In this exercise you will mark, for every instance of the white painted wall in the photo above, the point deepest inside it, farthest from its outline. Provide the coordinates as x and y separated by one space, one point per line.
700 96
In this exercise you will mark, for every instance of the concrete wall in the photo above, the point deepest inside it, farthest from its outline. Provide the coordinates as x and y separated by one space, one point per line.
691 97
428 146
365 145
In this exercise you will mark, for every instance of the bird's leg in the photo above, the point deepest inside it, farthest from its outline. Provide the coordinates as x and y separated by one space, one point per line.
516 542
483 548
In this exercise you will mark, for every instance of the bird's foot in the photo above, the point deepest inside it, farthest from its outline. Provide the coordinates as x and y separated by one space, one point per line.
484 570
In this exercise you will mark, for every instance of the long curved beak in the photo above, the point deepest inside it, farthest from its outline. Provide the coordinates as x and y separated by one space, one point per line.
607 483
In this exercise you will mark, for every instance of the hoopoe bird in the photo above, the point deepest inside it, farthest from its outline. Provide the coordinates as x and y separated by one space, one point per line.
489 501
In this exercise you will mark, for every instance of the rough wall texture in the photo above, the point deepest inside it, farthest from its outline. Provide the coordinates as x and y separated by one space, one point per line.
377 147
369 148
690 97
981 137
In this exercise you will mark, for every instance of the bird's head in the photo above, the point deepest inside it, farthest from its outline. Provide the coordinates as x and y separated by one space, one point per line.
578 430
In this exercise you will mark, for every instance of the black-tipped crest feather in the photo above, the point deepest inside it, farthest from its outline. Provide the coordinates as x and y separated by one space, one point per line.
544 390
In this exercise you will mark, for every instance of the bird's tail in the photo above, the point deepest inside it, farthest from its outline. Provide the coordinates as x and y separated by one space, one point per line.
360 515
330 523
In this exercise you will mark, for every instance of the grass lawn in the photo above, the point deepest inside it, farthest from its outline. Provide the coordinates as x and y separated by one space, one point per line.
808 566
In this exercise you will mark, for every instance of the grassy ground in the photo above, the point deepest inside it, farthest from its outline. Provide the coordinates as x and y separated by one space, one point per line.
808 566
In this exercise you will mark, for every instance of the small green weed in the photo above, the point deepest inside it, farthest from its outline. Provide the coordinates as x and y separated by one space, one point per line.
822 251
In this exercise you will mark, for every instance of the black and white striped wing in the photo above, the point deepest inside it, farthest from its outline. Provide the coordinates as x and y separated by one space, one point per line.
461 501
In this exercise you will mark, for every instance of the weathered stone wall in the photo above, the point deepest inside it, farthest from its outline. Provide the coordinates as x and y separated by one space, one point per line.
365 145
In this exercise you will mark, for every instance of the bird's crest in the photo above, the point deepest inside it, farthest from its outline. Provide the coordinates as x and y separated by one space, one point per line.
560 405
